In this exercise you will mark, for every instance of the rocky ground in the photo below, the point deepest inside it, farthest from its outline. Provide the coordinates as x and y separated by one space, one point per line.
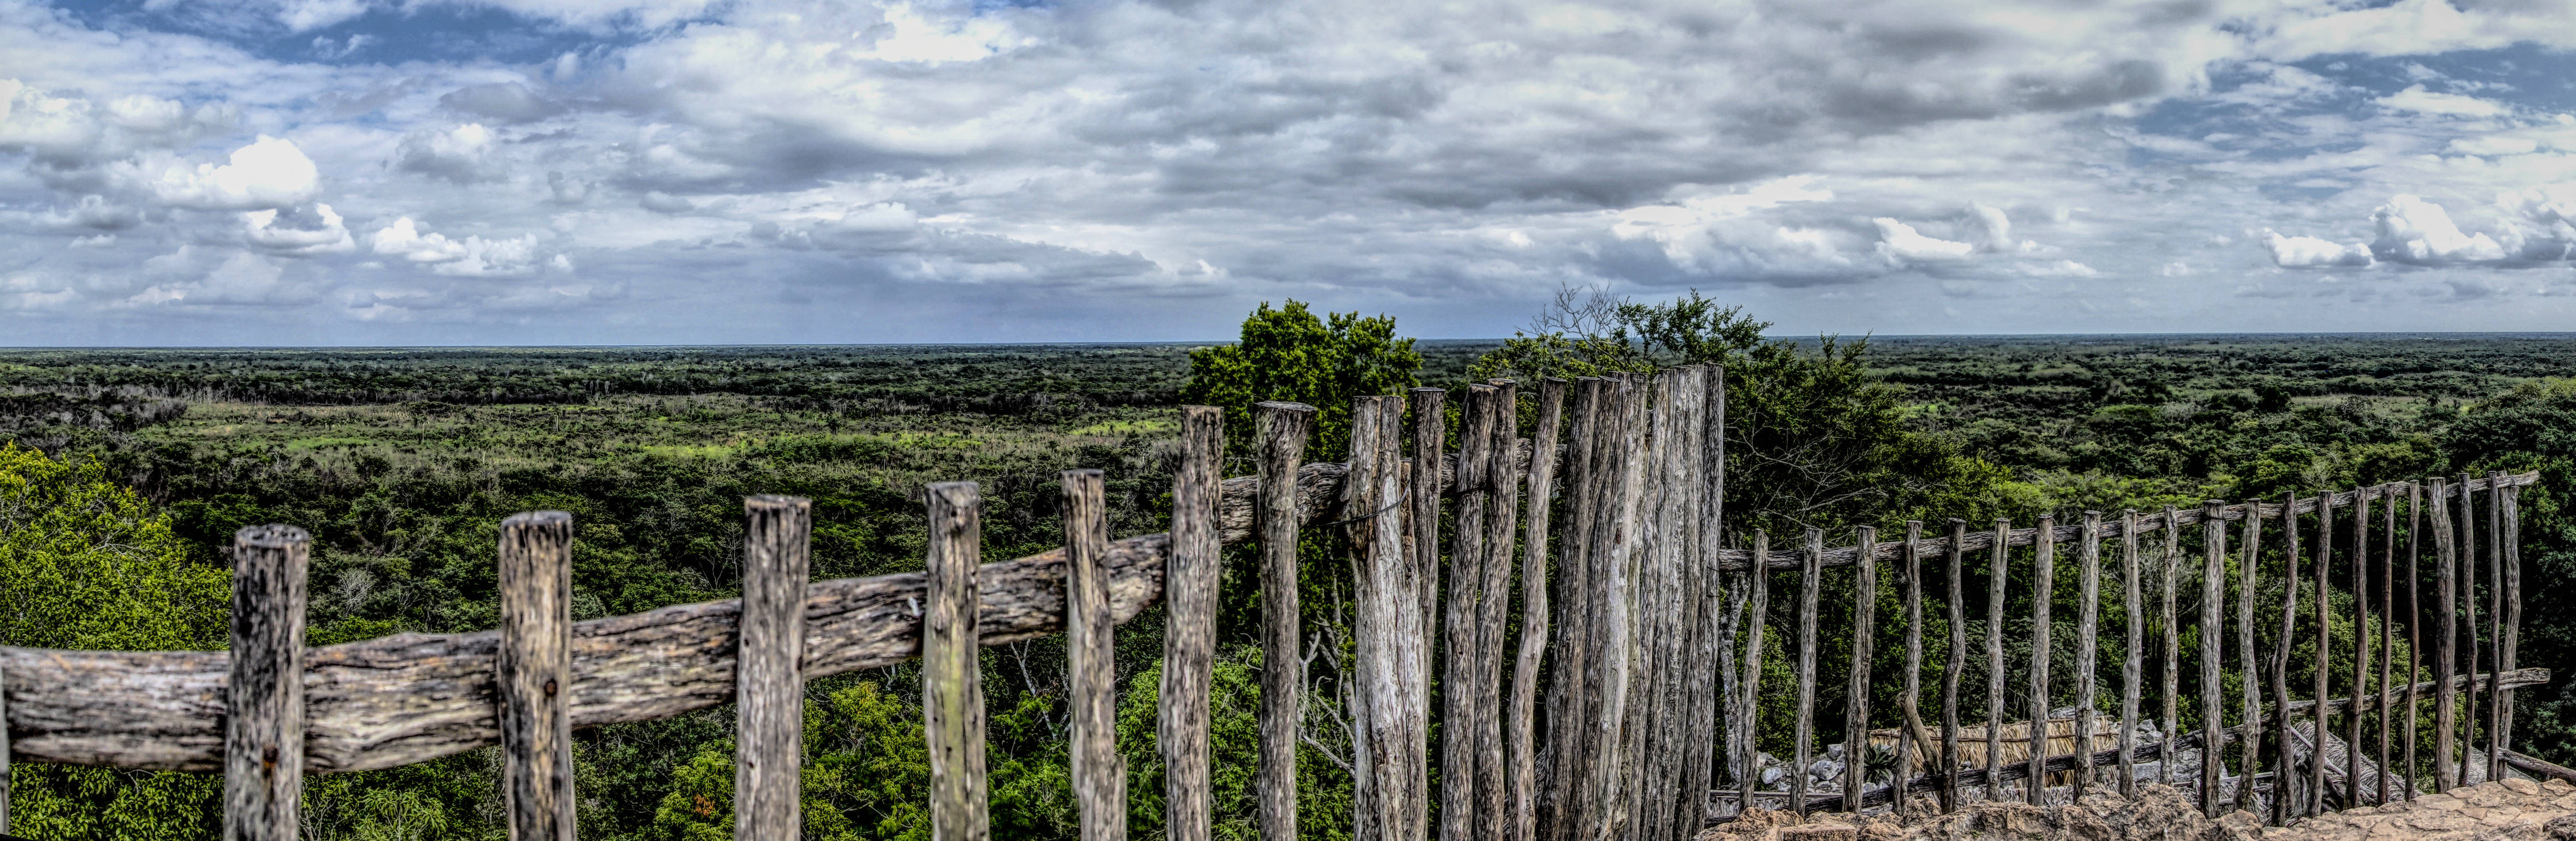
2511 810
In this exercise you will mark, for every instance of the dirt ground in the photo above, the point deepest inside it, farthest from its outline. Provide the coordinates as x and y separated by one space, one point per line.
2511 810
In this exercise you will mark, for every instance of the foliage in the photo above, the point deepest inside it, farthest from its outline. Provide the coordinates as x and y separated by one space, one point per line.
1289 354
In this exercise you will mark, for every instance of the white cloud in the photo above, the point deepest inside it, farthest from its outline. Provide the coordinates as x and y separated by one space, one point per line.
269 173
305 231
472 256
2417 99
463 154
1899 243
2311 252
2412 230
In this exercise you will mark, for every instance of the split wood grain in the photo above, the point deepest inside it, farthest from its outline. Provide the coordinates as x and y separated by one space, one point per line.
2316 789
952 686
1520 725
2043 584
2249 670
2495 627
535 674
2213 601
1494 821
1560 801
2134 627
2170 720
1427 425
1465 575
2468 561
2414 621
2284 749
1189 636
769 688
1623 440
1906 749
1715 641
264 707
1809 583
1758 613
2387 638
1388 636
1856 695
1282 428
1998 577
1958 662
1091 651
2510 540
2360 647
2088 617
2446 771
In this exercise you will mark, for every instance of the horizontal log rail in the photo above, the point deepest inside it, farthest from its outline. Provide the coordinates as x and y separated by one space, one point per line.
410 697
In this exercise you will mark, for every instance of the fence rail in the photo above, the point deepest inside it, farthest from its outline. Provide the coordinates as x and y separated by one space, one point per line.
1645 637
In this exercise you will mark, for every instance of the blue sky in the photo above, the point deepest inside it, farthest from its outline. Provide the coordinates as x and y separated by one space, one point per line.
667 171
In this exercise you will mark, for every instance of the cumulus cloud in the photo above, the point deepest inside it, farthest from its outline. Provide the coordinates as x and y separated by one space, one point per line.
1899 243
2412 230
463 154
2310 252
299 231
267 174
472 256
2419 100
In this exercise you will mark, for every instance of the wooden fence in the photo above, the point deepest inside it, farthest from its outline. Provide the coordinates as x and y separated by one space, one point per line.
1641 645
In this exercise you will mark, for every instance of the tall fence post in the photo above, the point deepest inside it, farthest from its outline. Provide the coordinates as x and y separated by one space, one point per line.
1493 609
2090 615
769 682
952 686
535 667
1520 727
2414 621
1458 655
2043 584
2323 611
1998 573
1856 694
2446 657
1713 643
2250 675
1906 747
2213 600
2495 625
2288 770
1811 573
1387 630
1282 428
2360 645
1099 772
1758 612
2387 635
2130 660
264 700
4 751
2510 500
1189 641
1958 663
1560 802
2170 721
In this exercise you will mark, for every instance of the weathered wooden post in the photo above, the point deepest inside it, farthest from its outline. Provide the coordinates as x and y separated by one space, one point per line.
2213 599
1099 772
1189 641
952 686
1458 626
264 700
2282 779
1428 429
1493 611
2043 589
1560 801
2250 678
2323 610
2360 645
4 751
1615 547
2170 722
535 667
1387 630
2509 499
1958 663
2468 560
2446 772
2088 616
2131 659
1856 703
1521 726
2495 624
1282 428
1717 628
1997 574
2387 631
769 681
1906 749
1811 574
1757 611
2414 621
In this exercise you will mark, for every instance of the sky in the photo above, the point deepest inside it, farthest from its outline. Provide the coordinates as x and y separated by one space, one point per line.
389 172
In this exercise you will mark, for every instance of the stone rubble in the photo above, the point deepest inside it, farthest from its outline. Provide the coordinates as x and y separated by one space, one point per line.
2510 810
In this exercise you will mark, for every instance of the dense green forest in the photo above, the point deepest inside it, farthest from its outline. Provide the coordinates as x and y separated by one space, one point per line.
402 462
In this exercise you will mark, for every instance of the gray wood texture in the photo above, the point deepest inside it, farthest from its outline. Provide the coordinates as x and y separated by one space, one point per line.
534 669
1617 540
1864 631
2043 584
2282 809
1808 584
1091 654
2495 627
1189 636
1998 578
1715 639
952 686
1958 663
2250 670
2360 647
2468 562
2414 621
264 704
2316 788
1282 429
1757 613
1520 722
1388 634
1906 749
2130 660
2169 721
2510 501
1493 612
2213 633
1464 580
769 688
2088 619
1427 425
2387 636
4 751
1569 694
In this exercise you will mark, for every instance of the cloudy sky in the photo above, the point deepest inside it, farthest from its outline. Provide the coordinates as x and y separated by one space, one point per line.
655 171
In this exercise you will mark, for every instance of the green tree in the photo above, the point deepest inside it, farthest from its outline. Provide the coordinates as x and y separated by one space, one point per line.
85 563
1289 354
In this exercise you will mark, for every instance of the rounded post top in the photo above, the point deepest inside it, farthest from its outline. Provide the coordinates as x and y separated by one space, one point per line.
271 536
760 502
525 519
1284 406
1082 473
1427 390
954 490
